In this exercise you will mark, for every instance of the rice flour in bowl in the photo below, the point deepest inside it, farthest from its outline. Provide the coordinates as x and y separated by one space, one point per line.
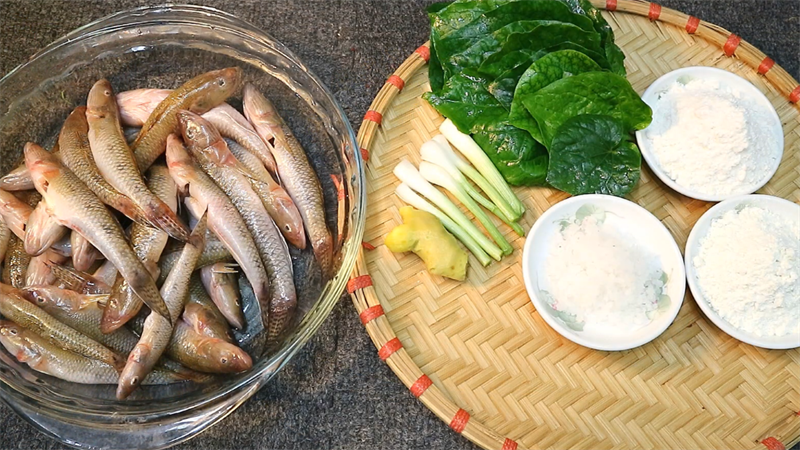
714 135
603 272
743 269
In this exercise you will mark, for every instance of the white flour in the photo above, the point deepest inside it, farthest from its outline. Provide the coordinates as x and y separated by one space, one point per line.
748 268
711 138
598 274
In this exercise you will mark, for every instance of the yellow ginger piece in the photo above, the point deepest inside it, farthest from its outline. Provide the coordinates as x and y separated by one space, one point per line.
423 234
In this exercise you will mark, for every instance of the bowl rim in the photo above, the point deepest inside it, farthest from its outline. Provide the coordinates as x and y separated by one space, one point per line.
693 245
203 15
674 252
732 79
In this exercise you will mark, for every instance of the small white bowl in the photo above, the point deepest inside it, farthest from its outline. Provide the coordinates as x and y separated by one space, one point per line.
776 205
725 78
634 221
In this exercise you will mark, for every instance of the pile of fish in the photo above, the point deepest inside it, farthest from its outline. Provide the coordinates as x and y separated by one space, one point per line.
67 313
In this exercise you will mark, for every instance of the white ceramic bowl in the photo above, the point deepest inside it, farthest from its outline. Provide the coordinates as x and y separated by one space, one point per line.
634 221
776 205
726 78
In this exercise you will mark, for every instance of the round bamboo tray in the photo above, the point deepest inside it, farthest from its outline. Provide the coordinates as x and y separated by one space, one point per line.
479 355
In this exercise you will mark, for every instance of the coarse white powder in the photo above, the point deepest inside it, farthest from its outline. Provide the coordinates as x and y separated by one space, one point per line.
600 275
748 269
712 138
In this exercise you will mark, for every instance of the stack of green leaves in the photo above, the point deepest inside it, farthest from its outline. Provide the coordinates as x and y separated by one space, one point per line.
540 85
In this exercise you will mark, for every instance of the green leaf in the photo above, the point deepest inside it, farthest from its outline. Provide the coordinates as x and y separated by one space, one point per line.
586 93
520 159
435 73
519 44
613 53
504 84
464 100
591 154
546 70
455 36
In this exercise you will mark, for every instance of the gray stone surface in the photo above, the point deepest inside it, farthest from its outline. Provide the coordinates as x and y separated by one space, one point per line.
337 394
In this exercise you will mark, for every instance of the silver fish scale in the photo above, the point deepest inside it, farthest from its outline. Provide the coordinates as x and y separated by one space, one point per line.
249 258
93 220
271 245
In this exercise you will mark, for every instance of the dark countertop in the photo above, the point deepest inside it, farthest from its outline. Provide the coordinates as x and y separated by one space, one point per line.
337 394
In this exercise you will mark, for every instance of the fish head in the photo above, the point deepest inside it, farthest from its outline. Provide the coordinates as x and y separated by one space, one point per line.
39 296
229 358
179 163
218 86
44 167
140 362
101 102
14 339
197 132
52 297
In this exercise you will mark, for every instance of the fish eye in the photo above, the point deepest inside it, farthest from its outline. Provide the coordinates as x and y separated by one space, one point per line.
224 360
221 82
107 92
288 228
12 331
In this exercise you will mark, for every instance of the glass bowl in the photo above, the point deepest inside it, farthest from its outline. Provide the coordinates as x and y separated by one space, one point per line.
162 47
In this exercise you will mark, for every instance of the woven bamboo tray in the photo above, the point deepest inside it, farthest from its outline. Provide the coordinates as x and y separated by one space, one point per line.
479 355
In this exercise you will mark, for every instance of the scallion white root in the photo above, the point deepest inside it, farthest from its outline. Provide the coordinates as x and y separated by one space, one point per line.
409 175
438 176
440 153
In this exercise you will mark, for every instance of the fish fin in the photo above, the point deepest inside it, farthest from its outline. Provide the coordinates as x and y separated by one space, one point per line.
160 215
227 268
132 211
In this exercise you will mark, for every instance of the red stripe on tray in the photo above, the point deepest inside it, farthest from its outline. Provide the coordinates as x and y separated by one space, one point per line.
692 24
373 116
364 154
731 44
459 421
389 348
337 181
370 314
765 65
420 386
794 97
773 444
397 82
655 11
367 245
508 444
424 52
611 5
358 283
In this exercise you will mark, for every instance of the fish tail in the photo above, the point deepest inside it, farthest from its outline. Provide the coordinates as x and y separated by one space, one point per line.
323 251
131 210
281 313
144 286
160 215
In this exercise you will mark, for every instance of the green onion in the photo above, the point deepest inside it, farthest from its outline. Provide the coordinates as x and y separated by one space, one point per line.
441 154
438 176
409 175
473 152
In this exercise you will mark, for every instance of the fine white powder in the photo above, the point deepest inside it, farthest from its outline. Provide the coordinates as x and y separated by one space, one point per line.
748 269
600 275
712 138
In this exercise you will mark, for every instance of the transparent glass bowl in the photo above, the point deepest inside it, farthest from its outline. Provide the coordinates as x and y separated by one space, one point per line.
162 47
